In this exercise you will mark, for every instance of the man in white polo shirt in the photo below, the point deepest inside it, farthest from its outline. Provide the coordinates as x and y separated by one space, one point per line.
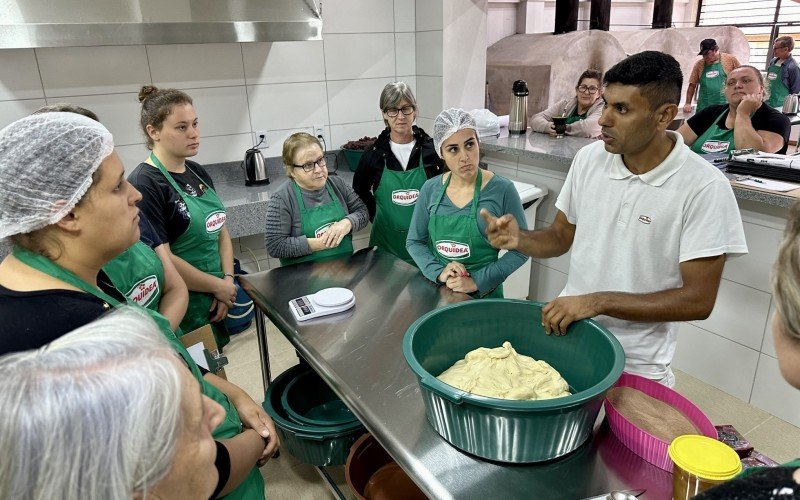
649 222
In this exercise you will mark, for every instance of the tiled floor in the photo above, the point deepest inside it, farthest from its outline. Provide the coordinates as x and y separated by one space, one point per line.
288 479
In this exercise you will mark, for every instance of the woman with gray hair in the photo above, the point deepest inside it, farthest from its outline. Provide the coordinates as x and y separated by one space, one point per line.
392 171
313 216
106 411
783 481
447 238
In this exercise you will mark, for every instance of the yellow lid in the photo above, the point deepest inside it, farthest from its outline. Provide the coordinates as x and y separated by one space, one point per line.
705 457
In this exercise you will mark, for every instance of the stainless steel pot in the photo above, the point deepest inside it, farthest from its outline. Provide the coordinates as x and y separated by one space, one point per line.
791 104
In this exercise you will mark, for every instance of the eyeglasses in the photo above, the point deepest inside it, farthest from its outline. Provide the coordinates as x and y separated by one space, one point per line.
587 89
407 110
775 49
309 167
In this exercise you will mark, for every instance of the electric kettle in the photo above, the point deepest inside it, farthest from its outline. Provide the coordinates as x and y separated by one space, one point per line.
791 105
518 110
255 168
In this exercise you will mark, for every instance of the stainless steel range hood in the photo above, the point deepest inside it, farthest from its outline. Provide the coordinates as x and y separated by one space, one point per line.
79 23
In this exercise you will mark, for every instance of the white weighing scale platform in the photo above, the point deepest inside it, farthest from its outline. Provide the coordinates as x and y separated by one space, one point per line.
324 302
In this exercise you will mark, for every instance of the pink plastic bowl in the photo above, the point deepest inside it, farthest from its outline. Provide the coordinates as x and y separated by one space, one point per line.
644 444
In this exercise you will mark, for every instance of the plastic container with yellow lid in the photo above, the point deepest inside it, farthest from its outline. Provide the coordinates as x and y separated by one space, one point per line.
700 463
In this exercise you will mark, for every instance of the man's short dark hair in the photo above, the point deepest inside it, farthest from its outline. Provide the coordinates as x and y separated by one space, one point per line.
657 75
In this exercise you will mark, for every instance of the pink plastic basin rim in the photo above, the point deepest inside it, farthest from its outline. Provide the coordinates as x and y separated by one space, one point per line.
644 444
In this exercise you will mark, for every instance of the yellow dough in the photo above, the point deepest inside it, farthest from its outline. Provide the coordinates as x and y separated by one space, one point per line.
503 373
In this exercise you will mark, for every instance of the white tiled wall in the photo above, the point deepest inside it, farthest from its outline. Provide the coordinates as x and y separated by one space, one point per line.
239 89
732 349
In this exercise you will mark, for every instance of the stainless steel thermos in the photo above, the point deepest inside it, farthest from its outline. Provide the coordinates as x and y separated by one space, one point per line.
518 111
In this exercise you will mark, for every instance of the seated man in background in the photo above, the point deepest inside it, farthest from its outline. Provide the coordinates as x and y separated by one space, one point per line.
106 411
650 223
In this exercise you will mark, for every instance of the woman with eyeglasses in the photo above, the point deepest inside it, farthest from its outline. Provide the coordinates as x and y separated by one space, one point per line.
392 171
312 216
582 111
746 121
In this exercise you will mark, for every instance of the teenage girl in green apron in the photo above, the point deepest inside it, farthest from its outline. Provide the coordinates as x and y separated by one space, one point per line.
448 245
202 253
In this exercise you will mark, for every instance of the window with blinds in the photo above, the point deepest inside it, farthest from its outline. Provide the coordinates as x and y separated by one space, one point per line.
760 20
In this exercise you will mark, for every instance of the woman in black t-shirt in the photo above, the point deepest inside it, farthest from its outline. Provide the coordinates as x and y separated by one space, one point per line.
745 122
180 202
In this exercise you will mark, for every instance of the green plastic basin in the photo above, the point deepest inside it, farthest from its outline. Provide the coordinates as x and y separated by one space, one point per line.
315 445
589 358
309 400
352 157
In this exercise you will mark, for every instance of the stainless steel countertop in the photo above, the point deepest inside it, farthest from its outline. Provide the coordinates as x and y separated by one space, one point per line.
359 354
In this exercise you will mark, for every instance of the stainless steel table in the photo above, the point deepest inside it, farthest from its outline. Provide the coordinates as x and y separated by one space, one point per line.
359 354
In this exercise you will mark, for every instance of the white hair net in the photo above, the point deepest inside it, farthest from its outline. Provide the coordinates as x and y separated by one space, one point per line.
46 166
448 123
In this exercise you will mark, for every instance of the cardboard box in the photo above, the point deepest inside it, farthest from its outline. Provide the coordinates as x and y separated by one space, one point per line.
203 338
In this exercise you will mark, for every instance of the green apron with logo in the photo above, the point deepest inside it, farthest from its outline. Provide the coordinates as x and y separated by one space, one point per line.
138 274
575 117
457 237
712 81
777 90
314 223
714 139
395 199
252 488
199 246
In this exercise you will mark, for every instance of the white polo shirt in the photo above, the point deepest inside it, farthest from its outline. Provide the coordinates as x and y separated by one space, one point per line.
633 231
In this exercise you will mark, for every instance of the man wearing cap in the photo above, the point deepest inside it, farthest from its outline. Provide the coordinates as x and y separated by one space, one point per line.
710 73
783 74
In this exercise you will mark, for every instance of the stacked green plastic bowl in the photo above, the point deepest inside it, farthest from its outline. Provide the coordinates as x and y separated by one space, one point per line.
589 358
313 424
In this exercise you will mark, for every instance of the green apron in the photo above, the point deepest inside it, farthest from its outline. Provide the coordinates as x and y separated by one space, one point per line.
751 470
575 117
138 274
199 246
315 221
712 81
252 488
714 139
777 90
395 199
457 237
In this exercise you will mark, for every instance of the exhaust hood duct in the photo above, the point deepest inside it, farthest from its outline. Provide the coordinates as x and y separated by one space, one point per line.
81 23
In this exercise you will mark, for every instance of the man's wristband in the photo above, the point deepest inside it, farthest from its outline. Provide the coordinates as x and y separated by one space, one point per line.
229 274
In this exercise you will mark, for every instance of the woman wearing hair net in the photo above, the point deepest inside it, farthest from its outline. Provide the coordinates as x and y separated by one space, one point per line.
68 210
447 238
143 272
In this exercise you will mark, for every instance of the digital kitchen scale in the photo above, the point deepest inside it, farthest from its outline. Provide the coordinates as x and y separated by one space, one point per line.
322 303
